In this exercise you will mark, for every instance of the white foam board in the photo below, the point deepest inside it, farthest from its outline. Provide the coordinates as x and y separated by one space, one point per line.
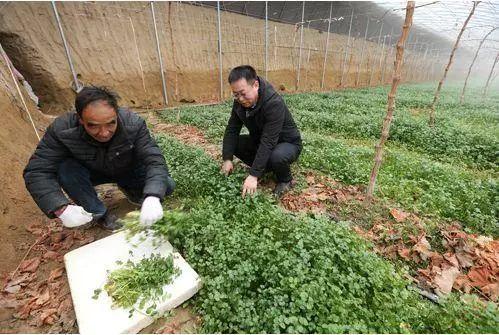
87 267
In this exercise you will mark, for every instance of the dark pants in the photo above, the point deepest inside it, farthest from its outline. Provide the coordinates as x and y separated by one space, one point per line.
280 159
78 182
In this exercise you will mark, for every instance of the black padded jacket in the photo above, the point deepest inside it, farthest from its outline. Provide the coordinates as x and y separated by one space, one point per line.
66 138
268 123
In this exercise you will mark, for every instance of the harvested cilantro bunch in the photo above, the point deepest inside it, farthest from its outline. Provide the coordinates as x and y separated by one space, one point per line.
141 282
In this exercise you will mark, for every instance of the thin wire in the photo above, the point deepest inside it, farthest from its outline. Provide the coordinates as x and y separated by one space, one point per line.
5 57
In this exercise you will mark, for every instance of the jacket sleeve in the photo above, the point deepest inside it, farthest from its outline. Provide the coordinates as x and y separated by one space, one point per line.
231 135
274 120
147 151
40 174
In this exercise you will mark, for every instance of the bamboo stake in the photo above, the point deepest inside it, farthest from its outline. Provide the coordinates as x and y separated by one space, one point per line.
461 100
441 82
490 76
391 98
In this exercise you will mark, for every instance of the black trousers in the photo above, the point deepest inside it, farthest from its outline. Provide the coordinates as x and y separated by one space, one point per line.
78 182
280 159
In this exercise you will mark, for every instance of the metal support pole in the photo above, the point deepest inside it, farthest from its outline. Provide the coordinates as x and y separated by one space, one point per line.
382 62
66 48
301 43
379 39
165 97
275 47
220 64
346 50
412 66
359 67
427 66
327 46
435 64
388 54
266 41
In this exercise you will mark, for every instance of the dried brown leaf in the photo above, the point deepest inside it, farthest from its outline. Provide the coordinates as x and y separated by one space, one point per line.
445 280
465 259
56 273
30 265
451 258
479 276
492 290
423 248
43 297
398 214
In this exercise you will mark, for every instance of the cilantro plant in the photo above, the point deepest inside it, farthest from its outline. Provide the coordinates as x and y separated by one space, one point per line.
449 170
140 285
265 270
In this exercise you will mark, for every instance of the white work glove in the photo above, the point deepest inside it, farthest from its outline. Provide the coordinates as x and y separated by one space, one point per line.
75 216
151 211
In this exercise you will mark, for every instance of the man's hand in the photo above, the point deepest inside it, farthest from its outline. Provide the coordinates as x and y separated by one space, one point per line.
151 211
74 216
250 185
227 167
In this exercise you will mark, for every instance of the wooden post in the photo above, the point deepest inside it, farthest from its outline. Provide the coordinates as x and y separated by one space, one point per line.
461 100
490 76
391 98
441 82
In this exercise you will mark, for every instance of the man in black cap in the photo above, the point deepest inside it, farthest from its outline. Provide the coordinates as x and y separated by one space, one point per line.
274 141
100 143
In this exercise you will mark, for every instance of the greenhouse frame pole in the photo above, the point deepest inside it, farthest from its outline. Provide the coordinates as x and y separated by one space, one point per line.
165 97
414 58
423 62
379 39
301 43
346 50
266 41
388 54
435 64
327 46
486 88
66 48
220 64
359 67
381 60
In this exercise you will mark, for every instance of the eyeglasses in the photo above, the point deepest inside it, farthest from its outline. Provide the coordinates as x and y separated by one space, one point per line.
238 95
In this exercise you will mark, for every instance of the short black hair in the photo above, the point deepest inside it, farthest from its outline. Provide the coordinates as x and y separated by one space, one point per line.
243 71
90 94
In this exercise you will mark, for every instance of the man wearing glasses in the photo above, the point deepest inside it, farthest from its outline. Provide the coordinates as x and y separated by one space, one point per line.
274 141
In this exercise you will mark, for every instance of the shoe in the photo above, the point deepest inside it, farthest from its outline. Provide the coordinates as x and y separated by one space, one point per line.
109 222
282 188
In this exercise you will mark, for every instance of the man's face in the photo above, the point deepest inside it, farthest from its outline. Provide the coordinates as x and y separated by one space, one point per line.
244 93
99 120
